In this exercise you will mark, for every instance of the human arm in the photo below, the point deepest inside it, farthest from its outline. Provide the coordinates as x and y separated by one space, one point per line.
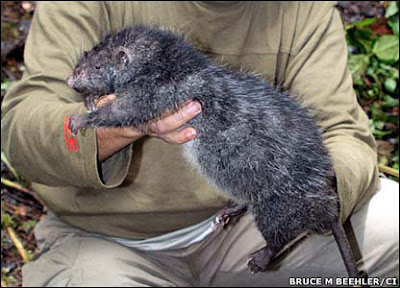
317 70
111 140
34 110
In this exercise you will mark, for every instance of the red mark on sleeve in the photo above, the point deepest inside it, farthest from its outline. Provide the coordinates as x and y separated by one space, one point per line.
71 142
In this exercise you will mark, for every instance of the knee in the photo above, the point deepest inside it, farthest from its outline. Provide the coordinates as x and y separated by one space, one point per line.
382 216
81 262
377 231
380 250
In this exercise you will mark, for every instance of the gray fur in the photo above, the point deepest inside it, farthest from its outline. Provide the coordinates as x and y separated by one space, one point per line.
254 143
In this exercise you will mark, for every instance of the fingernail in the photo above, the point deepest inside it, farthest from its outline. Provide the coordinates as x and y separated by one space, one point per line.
191 133
194 108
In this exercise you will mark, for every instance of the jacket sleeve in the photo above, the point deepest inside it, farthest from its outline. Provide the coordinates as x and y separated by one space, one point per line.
317 70
35 108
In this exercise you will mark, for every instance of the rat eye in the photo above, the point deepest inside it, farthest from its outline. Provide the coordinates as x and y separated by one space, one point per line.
97 67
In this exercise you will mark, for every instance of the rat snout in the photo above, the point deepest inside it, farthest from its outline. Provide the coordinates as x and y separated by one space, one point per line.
70 81
74 81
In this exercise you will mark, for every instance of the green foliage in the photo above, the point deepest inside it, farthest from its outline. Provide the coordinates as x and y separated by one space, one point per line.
373 61
392 13
386 48
5 84
392 9
8 280
7 220
358 65
28 225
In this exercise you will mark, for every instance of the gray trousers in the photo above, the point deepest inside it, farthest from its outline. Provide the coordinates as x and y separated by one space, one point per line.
72 257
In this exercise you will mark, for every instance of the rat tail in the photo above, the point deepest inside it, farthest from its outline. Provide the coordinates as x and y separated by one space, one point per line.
345 249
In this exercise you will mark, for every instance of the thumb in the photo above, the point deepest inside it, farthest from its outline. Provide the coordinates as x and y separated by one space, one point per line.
104 99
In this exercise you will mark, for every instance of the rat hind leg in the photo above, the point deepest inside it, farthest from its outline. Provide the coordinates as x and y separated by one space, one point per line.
279 224
276 241
260 259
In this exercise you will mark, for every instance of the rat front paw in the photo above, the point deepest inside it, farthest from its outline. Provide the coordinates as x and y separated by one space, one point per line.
90 104
76 123
260 260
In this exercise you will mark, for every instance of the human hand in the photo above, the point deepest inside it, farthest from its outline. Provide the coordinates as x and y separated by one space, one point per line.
111 140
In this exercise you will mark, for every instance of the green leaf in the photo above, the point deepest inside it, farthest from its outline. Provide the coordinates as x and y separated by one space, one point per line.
392 72
360 24
7 220
390 86
5 84
365 22
348 26
392 9
363 38
380 134
372 72
376 128
394 24
395 160
28 225
358 64
358 81
389 102
378 117
386 48
374 92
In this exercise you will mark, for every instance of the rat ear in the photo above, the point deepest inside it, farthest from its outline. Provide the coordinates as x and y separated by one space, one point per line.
144 42
141 41
122 55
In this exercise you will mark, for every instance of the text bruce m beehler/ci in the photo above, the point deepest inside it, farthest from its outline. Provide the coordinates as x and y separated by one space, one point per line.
346 281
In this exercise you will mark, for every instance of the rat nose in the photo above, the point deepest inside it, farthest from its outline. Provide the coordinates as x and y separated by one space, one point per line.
73 83
70 81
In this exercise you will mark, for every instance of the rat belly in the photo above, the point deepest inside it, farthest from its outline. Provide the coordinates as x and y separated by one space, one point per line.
191 154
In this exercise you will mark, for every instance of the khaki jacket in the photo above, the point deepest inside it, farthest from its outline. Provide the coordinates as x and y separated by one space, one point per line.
147 188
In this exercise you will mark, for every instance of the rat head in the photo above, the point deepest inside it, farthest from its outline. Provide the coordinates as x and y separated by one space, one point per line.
118 59
91 75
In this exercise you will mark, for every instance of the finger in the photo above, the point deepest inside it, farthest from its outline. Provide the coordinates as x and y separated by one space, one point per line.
129 132
176 120
179 137
104 99
122 132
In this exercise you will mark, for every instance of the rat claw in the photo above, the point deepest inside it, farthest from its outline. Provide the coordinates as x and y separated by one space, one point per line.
229 213
75 123
93 107
90 103
260 260
221 220
226 220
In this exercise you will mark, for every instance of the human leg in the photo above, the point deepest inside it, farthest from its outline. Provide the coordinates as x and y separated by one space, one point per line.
223 261
73 257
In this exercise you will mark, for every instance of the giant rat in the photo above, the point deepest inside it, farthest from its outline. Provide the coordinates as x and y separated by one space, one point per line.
254 143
